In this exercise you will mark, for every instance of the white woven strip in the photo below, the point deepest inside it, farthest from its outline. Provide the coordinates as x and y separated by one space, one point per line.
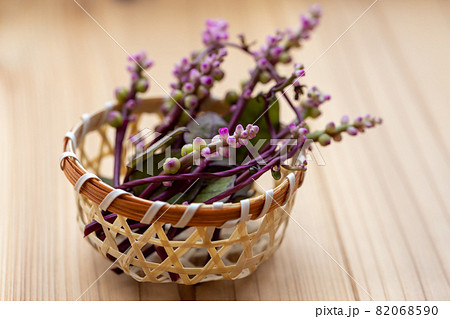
291 178
108 107
245 215
152 211
267 202
245 210
67 154
217 205
107 201
72 137
86 119
80 182
187 215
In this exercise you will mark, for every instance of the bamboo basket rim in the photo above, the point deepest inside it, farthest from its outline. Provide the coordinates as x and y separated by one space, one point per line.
130 206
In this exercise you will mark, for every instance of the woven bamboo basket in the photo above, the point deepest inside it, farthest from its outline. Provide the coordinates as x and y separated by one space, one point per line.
251 230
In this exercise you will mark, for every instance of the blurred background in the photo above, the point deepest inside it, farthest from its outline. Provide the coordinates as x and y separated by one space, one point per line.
375 219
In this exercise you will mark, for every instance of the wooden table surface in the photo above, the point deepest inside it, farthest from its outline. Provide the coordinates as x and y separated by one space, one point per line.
372 223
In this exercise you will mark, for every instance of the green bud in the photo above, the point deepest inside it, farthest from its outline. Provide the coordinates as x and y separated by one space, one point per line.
217 74
276 172
285 57
186 149
115 119
312 112
324 139
202 92
171 165
330 128
121 94
253 170
190 101
142 85
231 97
264 77
198 144
337 137
177 95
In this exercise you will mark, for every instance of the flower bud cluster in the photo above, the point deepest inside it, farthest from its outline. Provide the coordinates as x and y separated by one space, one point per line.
360 123
333 132
272 51
139 62
308 22
216 32
276 49
127 96
240 137
314 98
195 80
298 131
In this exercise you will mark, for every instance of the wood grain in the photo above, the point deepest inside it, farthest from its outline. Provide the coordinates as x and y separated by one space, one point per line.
379 207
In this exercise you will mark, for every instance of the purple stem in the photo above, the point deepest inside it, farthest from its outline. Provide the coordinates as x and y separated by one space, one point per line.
276 159
120 135
240 105
170 124
244 183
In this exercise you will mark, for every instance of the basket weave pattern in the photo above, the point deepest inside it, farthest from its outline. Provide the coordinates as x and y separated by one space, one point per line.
193 254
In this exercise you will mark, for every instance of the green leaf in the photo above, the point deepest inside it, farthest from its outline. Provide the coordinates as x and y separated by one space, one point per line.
187 196
208 126
215 187
243 193
147 171
107 181
149 151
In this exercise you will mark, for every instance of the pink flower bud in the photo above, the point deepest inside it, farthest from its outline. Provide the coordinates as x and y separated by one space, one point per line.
194 75
188 88
130 105
239 129
205 67
231 141
224 133
206 80
299 73
262 63
345 119
242 141
198 143
302 131
352 131
171 165
205 152
292 127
